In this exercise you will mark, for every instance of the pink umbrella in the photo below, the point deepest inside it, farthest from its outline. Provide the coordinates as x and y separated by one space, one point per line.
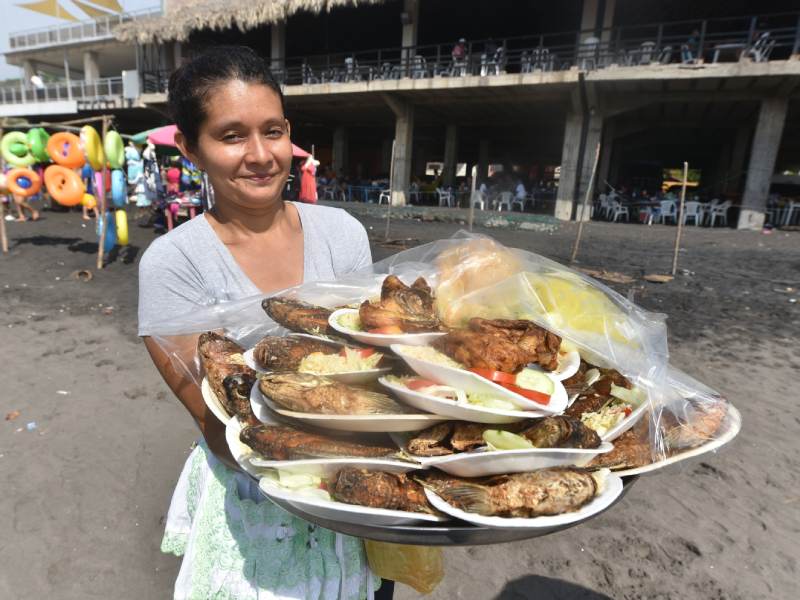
165 136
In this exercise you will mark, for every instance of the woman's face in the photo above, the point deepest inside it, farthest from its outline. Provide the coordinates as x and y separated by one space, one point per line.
244 144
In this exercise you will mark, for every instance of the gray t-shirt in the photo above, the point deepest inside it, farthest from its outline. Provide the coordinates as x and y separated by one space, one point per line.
190 267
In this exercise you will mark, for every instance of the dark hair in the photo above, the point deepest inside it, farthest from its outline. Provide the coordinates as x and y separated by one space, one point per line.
191 83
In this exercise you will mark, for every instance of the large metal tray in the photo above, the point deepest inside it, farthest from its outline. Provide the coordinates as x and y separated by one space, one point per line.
458 534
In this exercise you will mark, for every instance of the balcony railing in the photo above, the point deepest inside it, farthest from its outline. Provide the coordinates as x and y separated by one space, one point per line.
99 28
106 88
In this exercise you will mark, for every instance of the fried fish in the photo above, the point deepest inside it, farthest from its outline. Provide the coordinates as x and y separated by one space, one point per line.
237 396
410 308
220 357
303 392
539 493
378 489
282 442
286 353
298 316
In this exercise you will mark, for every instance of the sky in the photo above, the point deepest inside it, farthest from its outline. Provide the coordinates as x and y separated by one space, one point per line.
17 19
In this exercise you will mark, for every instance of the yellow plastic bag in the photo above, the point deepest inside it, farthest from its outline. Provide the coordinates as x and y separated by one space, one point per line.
420 567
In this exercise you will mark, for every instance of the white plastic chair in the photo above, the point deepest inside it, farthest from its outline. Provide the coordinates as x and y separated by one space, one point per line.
692 210
445 197
505 200
478 200
385 195
789 212
604 206
721 211
617 211
667 210
519 202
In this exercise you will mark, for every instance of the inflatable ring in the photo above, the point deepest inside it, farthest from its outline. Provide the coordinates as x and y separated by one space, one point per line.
23 182
121 221
111 234
64 185
89 201
93 147
114 149
99 185
16 139
65 150
118 188
37 142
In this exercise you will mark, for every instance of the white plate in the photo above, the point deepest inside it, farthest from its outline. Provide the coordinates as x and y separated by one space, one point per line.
355 423
452 409
240 452
626 423
213 403
346 513
497 462
568 365
380 339
729 429
349 377
328 466
470 382
613 488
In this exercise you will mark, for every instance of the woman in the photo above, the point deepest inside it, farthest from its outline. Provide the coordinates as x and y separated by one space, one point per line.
230 116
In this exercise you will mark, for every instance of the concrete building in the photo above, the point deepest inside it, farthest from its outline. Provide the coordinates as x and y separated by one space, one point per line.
537 87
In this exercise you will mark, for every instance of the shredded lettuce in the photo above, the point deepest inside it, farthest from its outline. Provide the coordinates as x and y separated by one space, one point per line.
351 321
430 355
319 363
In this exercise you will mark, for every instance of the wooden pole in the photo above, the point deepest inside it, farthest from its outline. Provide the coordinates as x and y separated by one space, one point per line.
585 206
389 208
680 219
3 238
472 197
101 203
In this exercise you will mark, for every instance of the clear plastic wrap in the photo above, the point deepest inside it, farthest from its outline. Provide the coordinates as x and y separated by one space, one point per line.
475 276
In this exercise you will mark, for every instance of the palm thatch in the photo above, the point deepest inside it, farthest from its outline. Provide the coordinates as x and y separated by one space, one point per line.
181 19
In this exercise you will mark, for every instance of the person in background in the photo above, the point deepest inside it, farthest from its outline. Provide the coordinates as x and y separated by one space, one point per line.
689 50
173 180
21 204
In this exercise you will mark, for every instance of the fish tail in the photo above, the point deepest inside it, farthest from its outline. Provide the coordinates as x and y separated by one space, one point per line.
377 403
470 497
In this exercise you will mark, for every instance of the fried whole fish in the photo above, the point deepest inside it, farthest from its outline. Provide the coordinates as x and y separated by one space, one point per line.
303 392
539 493
501 345
561 431
282 442
378 489
220 357
237 396
408 307
286 353
298 316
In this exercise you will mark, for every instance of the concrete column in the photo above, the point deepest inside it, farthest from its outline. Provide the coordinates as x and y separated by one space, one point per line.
604 168
339 158
735 176
767 140
483 162
403 145
608 20
28 70
409 19
450 155
277 52
91 70
568 192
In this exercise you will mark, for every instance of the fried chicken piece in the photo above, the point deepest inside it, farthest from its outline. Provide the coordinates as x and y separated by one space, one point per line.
409 308
501 345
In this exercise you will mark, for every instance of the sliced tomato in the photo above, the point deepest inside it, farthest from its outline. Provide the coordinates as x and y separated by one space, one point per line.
419 384
628 411
529 394
362 352
388 330
496 376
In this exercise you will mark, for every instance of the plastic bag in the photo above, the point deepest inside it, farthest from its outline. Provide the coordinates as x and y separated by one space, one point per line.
476 276
421 567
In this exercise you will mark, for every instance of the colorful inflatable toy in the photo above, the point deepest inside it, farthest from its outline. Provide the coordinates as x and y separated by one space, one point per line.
64 185
89 201
114 149
37 142
121 220
93 147
118 188
15 151
65 150
111 234
23 182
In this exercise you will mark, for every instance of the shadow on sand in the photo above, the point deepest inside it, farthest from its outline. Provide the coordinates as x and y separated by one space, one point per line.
537 587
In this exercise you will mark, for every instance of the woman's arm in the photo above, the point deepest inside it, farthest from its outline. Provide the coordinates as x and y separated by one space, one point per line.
188 392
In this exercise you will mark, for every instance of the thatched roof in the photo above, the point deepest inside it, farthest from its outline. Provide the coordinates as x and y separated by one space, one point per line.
180 20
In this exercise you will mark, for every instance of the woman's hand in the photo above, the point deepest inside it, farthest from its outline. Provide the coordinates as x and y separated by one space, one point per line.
183 349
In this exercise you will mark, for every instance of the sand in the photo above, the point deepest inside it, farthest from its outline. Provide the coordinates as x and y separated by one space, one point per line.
86 492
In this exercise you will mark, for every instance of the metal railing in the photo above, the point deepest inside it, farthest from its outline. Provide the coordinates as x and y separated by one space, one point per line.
106 88
99 28
758 38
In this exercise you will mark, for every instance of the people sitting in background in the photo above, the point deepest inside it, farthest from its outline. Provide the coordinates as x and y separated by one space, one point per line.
520 192
459 56
689 50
